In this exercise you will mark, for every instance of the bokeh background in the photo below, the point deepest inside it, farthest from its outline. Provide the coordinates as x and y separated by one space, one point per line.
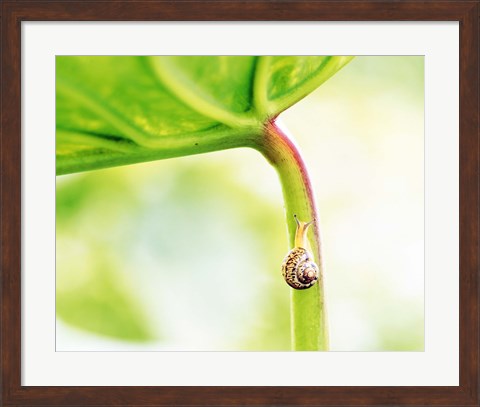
184 254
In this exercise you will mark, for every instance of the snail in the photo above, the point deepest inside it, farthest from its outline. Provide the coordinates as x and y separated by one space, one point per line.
298 268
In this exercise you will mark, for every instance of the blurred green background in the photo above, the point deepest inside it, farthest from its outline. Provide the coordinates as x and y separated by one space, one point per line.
185 254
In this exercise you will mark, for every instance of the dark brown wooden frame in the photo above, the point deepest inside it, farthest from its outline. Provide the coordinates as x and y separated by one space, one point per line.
14 12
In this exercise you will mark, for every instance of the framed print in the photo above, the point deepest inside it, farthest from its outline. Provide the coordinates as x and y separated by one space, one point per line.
153 155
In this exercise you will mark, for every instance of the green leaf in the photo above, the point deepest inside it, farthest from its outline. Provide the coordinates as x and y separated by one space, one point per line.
94 291
98 300
119 110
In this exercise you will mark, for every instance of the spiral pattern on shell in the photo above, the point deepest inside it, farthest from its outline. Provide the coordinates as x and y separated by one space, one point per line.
299 270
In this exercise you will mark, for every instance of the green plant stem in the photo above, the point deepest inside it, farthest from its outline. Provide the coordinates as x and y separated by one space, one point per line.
309 327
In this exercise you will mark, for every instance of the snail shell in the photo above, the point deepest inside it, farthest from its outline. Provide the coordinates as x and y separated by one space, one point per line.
298 268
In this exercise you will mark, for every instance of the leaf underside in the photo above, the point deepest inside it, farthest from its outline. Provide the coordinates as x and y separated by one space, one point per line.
118 110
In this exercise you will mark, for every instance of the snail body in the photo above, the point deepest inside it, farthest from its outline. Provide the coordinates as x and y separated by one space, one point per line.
298 268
